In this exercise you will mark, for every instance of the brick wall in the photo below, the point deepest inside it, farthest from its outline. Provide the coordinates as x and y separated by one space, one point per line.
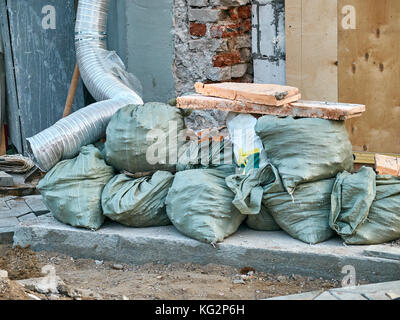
212 42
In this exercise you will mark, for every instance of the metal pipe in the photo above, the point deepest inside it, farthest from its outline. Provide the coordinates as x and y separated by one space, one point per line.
88 125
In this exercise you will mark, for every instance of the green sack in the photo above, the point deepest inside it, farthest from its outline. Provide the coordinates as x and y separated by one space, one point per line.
72 189
138 202
138 132
207 155
366 207
262 221
248 190
199 205
303 215
305 150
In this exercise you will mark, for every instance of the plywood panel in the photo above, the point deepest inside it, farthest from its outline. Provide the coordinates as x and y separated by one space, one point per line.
293 42
311 27
369 73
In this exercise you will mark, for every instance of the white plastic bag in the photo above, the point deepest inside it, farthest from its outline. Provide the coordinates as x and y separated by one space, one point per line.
247 146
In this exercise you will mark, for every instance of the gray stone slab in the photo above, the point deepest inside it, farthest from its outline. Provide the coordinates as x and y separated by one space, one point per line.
301 296
6 180
376 296
372 288
36 204
378 291
274 252
344 295
8 222
384 252
28 217
4 209
393 295
18 207
326 296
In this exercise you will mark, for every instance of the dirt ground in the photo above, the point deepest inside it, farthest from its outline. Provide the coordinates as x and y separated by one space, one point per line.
89 279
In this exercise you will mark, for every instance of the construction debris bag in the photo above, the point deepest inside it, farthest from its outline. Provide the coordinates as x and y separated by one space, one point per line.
207 155
138 202
249 192
143 138
72 189
305 215
366 207
305 150
199 204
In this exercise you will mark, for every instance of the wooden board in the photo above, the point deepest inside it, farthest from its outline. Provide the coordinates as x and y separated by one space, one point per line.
387 165
311 48
13 119
303 109
367 51
269 94
369 73
40 64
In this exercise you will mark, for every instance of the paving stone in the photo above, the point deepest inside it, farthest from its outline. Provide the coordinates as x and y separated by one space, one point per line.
384 252
393 295
6 180
28 217
344 295
302 296
376 296
8 222
36 204
4 209
18 207
326 296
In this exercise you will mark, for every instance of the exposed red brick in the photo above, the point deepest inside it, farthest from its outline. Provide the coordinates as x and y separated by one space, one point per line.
227 59
233 14
244 12
231 30
198 29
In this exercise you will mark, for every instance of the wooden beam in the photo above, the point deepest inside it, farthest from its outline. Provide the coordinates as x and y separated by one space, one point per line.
269 94
303 109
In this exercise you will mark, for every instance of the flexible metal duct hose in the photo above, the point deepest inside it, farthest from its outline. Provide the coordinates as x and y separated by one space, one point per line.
88 125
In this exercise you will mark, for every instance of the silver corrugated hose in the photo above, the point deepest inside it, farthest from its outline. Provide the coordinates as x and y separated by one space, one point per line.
88 125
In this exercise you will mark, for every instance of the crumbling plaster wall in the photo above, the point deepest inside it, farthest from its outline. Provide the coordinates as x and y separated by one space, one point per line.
171 44
212 42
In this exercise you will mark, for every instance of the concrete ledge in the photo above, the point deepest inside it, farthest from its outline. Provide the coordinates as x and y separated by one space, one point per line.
274 252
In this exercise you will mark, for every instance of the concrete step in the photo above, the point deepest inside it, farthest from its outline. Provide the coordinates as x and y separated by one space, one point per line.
274 252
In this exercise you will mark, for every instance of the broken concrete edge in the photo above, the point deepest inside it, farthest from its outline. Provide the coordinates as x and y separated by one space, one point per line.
384 290
272 252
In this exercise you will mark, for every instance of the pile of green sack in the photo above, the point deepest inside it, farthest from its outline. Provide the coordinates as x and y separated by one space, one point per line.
186 188
305 189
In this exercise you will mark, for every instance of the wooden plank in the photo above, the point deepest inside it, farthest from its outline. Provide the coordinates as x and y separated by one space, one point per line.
303 109
269 94
312 48
13 120
44 60
369 157
293 27
387 165
3 141
369 68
